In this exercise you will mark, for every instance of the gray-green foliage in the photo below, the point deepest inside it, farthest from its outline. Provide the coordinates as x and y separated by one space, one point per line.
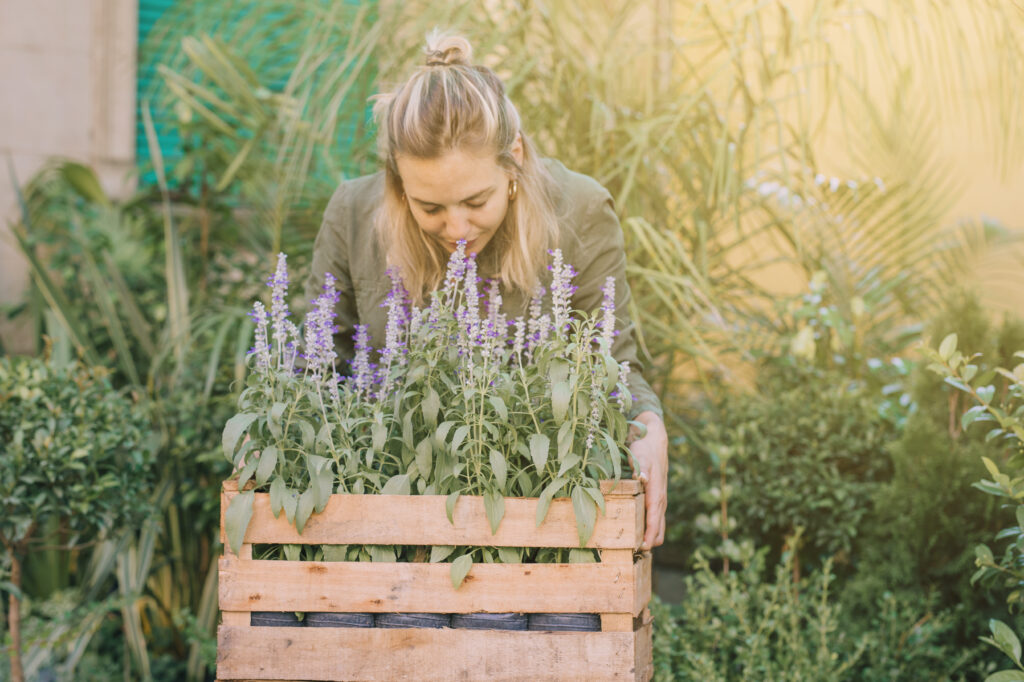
456 406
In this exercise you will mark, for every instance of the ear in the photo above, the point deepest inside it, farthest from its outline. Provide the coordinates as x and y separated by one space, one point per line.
517 149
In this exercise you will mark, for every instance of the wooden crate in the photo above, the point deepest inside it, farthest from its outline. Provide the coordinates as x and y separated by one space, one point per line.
618 587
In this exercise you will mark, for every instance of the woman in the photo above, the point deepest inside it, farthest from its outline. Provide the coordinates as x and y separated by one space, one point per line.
457 166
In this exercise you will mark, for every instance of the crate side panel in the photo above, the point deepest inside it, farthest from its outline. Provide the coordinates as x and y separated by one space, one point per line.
408 587
422 520
325 654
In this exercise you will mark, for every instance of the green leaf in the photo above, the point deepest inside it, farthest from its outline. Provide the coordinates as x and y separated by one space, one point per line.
449 505
335 552
266 464
304 509
1005 675
983 553
947 347
233 431
586 514
499 467
397 485
277 495
971 415
442 432
986 393
993 470
383 554
1019 513
499 407
460 435
323 486
425 457
291 505
614 455
581 556
430 406
564 439
1005 639
247 471
379 435
569 463
494 507
560 394
83 180
460 569
558 370
308 434
598 498
439 553
509 555
544 501
236 519
540 445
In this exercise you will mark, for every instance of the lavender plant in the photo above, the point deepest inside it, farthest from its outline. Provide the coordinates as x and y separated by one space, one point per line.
459 401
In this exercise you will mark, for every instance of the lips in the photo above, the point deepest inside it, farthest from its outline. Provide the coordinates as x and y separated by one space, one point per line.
455 245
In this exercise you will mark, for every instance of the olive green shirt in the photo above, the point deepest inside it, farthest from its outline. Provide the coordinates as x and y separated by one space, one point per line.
591 241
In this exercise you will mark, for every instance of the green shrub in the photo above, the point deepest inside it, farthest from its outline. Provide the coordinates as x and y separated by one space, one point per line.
749 625
807 451
741 625
74 457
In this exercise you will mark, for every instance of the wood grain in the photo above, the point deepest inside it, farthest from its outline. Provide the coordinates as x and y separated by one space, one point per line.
327 654
409 587
422 520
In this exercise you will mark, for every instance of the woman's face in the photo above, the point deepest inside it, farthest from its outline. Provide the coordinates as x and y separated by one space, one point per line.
462 194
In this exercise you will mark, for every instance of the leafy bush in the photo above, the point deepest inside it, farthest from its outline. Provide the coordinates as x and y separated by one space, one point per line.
72 450
807 451
755 624
741 625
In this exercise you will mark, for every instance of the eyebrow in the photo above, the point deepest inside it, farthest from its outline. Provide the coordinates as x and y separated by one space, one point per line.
478 195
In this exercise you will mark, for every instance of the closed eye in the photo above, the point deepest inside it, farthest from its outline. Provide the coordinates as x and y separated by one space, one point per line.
434 210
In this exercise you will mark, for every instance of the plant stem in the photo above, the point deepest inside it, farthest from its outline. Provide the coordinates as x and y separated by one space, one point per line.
14 620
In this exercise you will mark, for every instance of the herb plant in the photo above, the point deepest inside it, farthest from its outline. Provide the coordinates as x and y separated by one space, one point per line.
459 401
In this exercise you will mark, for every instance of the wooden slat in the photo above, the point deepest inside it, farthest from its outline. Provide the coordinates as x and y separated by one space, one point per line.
410 587
625 488
616 622
642 582
424 654
421 520
643 653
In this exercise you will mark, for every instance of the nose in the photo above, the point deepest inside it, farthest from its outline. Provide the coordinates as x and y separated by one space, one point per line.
458 226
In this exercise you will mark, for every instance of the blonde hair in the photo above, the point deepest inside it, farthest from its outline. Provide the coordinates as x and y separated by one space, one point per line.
450 103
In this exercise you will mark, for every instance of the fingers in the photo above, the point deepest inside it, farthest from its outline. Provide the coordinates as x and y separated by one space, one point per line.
655 507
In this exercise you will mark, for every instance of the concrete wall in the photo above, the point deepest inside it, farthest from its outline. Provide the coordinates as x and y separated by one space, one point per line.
67 87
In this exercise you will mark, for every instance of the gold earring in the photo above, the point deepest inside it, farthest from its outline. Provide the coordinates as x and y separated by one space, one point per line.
513 189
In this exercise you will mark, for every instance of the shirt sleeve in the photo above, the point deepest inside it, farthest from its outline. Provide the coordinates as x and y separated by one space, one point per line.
603 255
331 254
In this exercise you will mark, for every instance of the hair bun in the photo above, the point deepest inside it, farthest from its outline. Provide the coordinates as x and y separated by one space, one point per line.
447 50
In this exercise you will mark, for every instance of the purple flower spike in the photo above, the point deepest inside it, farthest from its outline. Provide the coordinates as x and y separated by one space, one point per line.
262 348
278 284
320 354
362 370
561 291
607 323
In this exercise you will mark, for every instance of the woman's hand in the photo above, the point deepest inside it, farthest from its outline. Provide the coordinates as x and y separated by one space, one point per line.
651 455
